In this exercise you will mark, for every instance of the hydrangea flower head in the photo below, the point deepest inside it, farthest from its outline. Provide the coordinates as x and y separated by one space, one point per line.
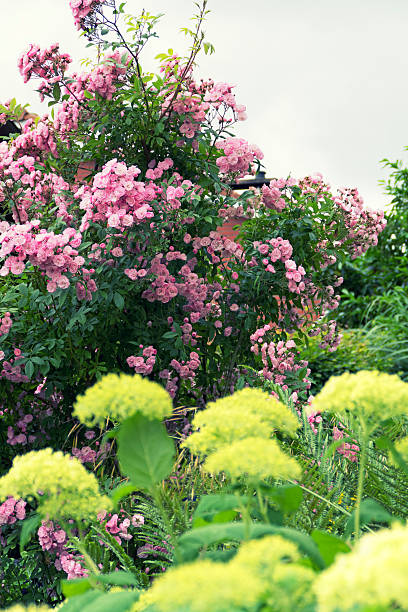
274 560
203 586
370 396
248 412
60 483
261 556
257 458
118 397
401 446
374 574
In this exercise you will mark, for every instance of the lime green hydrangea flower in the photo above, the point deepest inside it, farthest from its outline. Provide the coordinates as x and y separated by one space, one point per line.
249 412
367 396
219 429
292 588
60 483
375 573
273 560
401 446
118 397
202 586
256 458
262 556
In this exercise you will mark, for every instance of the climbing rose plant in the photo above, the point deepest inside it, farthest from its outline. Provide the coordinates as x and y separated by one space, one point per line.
124 267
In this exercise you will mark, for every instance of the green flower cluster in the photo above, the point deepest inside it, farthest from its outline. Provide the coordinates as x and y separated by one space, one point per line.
118 397
260 572
368 397
249 412
258 458
62 486
401 446
235 434
374 574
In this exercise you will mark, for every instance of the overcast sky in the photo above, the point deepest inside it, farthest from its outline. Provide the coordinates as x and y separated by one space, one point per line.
324 81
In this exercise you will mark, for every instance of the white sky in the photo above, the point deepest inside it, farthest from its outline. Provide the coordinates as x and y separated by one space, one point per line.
324 81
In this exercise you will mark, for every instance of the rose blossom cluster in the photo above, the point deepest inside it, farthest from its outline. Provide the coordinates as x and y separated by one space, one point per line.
12 510
278 358
5 323
53 539
35 140
55 254
186 370
348 450
33 189
11 370
195 103
119 530
238 156
48 64
116 198
272 194
363 224
278 249
144 363
82 8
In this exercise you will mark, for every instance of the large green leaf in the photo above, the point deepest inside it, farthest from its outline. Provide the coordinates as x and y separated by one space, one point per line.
191 542
370 512
145 451
79 602
76 586
109 602
329 545
217 508
29 526
287 497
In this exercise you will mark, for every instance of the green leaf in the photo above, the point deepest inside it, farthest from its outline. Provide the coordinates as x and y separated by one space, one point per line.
216 508
56 92
76 586
329 545
79 603
121 491
119 602
29 368
29 526
145 451
287 497
191 542
119 301
118 578
370 512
